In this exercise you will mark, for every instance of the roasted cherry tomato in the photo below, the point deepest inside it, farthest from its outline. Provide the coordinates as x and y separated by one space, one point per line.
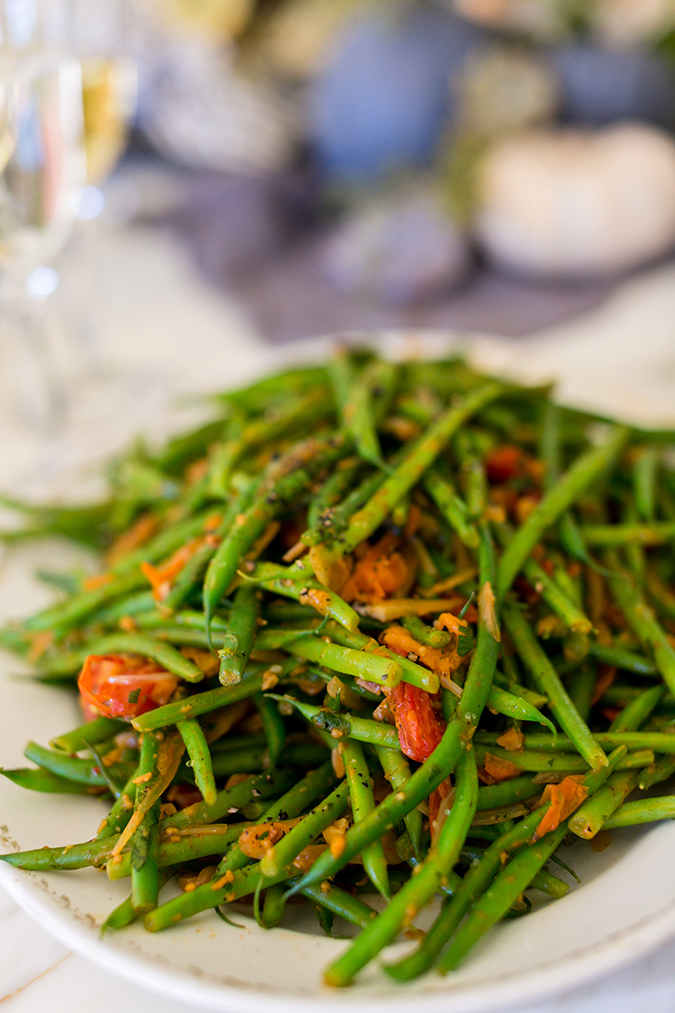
504 463
120 686
419 730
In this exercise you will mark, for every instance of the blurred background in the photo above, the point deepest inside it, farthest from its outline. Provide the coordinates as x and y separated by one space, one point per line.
274 169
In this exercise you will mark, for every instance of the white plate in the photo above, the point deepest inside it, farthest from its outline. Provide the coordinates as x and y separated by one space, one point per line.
625 907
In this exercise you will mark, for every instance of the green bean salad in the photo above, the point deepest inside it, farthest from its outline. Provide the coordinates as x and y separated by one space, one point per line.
377 629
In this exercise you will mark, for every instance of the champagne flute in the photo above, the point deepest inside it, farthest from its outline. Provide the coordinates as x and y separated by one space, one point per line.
41 167
96 33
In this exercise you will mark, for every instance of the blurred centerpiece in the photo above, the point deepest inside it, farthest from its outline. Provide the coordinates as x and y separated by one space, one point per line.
432 134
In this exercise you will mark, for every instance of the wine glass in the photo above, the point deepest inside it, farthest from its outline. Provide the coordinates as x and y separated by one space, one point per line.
42 165
96 32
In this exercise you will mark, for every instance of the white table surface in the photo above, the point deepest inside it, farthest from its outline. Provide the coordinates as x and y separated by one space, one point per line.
150 309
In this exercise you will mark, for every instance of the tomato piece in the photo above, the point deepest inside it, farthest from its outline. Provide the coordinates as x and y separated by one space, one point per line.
419 730
123 686
504 463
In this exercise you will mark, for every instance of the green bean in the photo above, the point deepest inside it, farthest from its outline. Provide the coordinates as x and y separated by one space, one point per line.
645 625
421 887
240 636
228 800
633 715
233 743
287 807
474 883
537 700
549 443
568 763
309 408
214 840
332 491
413 673
442 761
164 543
188 577
611 535
452 507
293 582
397 771
71 767
72 856
646 810
334 521
273 908
511 881
173 627
362 803
620 658
343 724
644 482
372 667
268 392
44 780
425 634
91 733
145 838
121 810
284 480
659 742
571 586
589 819
556 599
271 460
272 869
197 748
542 880
341 374
512 706
366 403
548 682
273 725
517 789
573 542
255 810
164 654
585 470
201 703
239 761
340 903
365 521
124 913
662 597
61 618
659 771
581 687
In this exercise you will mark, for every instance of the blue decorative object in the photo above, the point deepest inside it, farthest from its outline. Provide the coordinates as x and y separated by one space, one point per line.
601 86
385 99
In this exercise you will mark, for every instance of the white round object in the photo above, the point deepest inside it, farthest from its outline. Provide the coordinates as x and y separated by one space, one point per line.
566 203
397 250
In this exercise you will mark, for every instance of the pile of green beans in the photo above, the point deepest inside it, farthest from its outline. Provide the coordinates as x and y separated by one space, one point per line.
264 568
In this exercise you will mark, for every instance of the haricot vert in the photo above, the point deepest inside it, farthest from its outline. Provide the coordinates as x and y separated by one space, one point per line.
375 628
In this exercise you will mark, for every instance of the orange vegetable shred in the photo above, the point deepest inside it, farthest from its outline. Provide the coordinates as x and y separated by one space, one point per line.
512 740
381 570
499 769
565 798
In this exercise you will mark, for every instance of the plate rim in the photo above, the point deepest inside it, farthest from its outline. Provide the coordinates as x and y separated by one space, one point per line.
549 979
